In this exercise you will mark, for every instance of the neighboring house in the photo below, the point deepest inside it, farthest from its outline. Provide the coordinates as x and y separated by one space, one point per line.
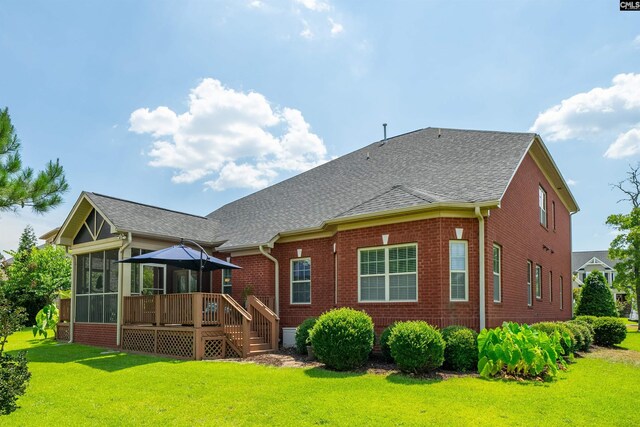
447 226
584 262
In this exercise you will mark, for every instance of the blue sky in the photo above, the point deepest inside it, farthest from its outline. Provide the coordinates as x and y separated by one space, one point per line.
139 100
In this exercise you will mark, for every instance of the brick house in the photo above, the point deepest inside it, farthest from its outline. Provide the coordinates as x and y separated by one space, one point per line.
448 226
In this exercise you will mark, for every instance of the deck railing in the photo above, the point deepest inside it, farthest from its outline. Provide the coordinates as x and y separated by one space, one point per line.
265 323
268 300
196 309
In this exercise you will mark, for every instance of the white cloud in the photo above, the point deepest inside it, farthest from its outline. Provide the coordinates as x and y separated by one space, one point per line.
236 136
572 182
598 113
315 5
636 41
336 28
256 4
306 31
626 144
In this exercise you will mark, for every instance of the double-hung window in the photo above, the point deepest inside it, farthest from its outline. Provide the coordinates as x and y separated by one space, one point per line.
561 293
497 274
301 281
538 281
542 203
550 287
226 281
458 271
388 274
529 290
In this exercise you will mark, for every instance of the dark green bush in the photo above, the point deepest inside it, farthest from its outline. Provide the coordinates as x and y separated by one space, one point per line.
577 331
14 377
595 297
342 338
461 351
609 331
384 342
586 330
302 334
416 346
567 340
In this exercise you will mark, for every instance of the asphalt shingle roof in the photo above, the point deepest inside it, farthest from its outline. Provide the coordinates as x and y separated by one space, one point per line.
441 164
140 218
418 168
578 259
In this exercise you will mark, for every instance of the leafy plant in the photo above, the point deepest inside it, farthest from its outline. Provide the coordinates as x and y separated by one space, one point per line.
342 338
14 374
581 335
461 352
46 319
11 320
567 341
302 334
518 350
416 346
384 342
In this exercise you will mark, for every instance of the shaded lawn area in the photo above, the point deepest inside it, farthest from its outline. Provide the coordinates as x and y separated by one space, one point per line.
77 385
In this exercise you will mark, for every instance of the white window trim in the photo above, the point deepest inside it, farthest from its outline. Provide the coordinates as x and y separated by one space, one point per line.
538 276
542 207
386 273
550 287
466 271
561 293
222 280
499 273
291 281
529 283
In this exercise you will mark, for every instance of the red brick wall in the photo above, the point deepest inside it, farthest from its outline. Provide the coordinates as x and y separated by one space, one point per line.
98 334
257 271
516 227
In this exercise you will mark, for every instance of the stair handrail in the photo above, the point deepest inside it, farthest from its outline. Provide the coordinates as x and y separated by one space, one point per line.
253 300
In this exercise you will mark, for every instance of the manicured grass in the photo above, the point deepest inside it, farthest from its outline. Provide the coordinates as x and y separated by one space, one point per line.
632 342
77 385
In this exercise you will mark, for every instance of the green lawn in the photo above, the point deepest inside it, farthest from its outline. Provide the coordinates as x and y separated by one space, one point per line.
77 385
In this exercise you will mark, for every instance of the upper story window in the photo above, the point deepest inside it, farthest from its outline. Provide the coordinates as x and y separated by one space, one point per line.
529 290
458 271
553 215
538 281
301 281
388 274
542 204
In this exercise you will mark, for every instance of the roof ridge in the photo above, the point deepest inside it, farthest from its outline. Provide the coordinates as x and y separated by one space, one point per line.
146 205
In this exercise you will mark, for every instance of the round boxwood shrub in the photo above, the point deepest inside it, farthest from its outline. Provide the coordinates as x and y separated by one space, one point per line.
384 342
587 333
461 351
550 327
595 297
342 338
302 334
609 331
586 319
416 346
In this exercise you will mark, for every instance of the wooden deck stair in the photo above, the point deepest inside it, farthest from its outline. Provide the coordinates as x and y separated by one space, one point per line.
257 345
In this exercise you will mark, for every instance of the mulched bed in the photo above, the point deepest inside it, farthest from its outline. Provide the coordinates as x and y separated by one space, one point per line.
289 358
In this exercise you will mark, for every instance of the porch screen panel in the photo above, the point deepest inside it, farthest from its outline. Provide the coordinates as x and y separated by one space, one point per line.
97 287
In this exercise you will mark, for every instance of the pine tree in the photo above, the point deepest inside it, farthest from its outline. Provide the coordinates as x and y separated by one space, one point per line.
28 239
19 186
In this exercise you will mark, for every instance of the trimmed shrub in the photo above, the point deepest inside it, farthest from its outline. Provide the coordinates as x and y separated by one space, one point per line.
302 334
577 331
596 298
518 350
567 341
416 346
586 331
590 333
14 377
461 351
609 331
342 338
384 342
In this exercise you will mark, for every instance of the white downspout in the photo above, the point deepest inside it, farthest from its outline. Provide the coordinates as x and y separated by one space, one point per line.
72 310
277 278
481 283
121 288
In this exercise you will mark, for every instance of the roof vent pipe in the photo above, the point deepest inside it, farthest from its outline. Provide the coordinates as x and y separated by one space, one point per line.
384 127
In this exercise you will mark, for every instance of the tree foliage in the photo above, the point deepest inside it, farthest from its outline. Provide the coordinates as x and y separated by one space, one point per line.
596 298
14 374
36 277
625 247
21 186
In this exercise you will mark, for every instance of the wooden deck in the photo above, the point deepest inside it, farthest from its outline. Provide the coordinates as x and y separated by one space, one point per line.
198 326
